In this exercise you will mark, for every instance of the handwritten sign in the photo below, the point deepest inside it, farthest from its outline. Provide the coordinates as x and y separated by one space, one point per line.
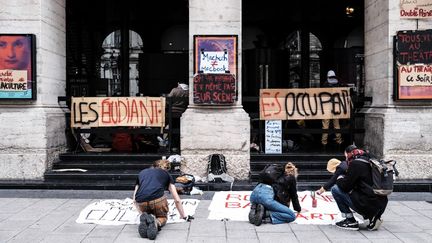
214 62
236 206
414 47
415 9
415 75
117 111
214 89
273 137
13 80
305 104
121 212
413 62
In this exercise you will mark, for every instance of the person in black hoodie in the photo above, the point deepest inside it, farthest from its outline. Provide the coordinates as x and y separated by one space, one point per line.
271 198
351 192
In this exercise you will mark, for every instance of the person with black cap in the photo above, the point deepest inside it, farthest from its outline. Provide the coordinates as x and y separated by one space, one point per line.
353 192
331 82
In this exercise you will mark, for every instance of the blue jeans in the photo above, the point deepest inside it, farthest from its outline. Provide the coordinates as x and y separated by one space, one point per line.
343 201
279 213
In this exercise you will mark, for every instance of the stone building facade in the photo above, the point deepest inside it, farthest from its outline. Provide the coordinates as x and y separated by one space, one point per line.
33 131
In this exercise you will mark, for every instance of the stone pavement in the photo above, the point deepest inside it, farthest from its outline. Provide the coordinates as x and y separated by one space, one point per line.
49 216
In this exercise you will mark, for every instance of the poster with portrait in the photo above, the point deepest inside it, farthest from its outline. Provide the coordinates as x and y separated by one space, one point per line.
17 67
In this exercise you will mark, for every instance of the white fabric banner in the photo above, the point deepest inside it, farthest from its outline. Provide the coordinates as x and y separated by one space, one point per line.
235 205
119 212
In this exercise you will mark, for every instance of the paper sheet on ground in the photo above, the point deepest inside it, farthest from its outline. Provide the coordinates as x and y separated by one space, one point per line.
119 212
235 205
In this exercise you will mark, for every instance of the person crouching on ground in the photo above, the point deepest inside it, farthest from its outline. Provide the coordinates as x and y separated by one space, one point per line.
337 168
270 199
354 191
150 200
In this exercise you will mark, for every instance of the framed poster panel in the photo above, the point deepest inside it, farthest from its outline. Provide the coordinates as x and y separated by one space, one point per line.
17 67
413 65
216 54
215 69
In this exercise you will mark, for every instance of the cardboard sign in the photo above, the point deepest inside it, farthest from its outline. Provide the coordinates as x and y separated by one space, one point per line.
214 89
117 111
273 137
415 9
305 104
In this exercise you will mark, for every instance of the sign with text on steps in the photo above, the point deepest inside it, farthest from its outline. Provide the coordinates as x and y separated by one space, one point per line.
273 137
305 104
117 111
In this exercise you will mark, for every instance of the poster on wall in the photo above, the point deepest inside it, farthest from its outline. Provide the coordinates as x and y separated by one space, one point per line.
215 54
413 65
215 69
17 67
415 9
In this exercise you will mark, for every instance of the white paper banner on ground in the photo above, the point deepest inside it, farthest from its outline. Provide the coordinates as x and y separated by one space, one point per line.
235 205
120 212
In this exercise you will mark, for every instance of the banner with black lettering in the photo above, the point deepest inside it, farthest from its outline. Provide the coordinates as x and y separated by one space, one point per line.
305 104
117 111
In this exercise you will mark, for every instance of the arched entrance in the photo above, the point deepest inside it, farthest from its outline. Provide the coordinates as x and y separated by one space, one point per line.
293 45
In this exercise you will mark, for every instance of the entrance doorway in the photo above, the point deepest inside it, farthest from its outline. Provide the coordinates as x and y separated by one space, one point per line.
126 48
293 44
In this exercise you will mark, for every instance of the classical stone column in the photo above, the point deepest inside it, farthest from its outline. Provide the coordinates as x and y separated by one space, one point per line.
400 130
215 129
33 132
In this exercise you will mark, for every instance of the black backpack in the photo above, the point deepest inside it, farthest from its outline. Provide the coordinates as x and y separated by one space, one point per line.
382 175
216 164
271 173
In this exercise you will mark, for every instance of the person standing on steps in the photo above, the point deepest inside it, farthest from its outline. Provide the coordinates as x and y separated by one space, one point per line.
331 82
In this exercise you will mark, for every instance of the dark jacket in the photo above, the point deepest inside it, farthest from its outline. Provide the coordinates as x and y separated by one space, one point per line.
364 200
286 190
341 169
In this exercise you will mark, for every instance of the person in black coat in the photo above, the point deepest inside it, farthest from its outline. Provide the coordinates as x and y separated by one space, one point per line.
271 198
351 192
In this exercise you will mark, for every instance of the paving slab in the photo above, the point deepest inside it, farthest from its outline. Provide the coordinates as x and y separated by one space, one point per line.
50 218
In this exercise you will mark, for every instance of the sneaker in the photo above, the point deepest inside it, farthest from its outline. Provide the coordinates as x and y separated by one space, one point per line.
348 224
152 228
252 213
260 211
142 227
374 223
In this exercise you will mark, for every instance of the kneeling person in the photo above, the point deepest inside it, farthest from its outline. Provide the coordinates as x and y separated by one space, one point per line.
150 200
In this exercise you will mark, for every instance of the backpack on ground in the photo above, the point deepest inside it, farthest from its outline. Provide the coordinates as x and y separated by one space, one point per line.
184 183
383 173
271 173
217 169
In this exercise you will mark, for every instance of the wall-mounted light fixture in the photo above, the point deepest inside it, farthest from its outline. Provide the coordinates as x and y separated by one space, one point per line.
349 11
